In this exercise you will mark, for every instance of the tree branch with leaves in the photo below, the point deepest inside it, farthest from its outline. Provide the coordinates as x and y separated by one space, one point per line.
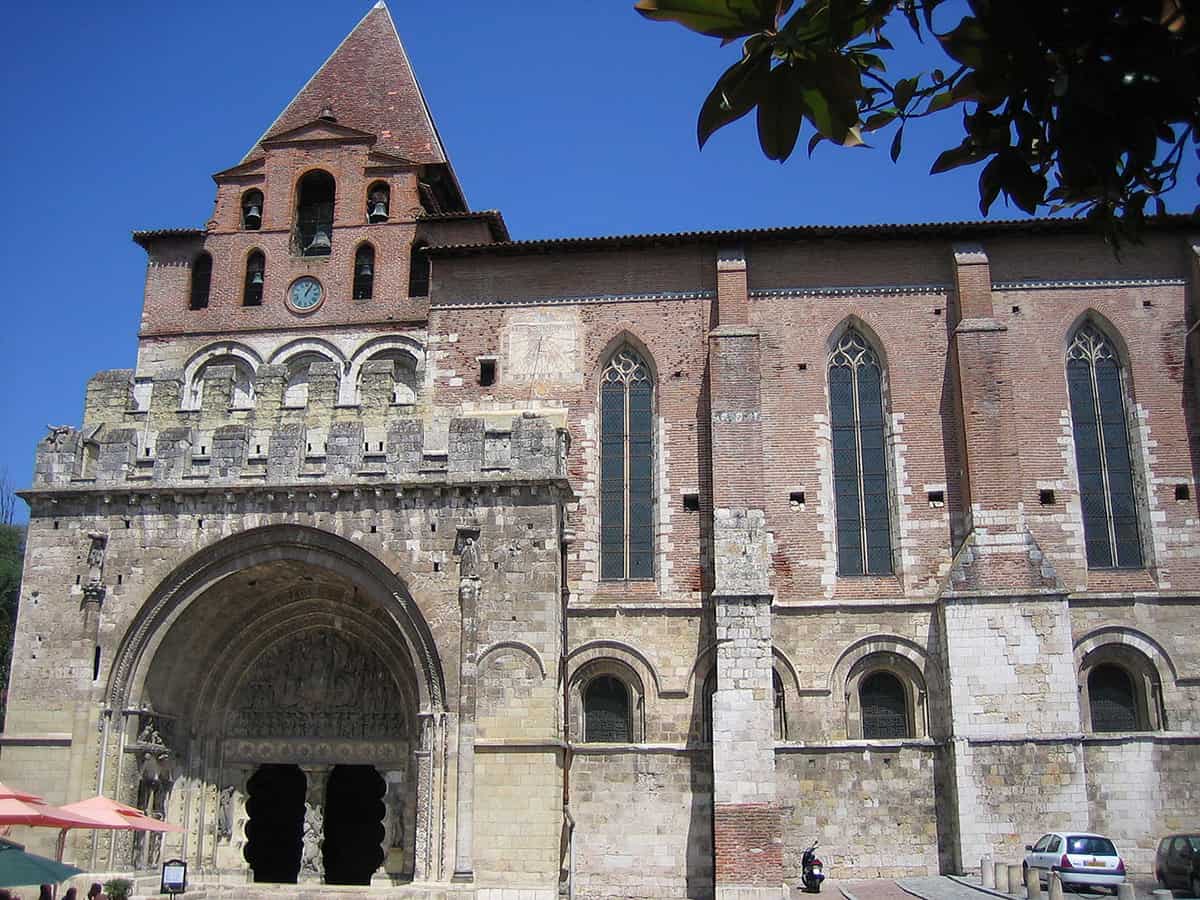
1083 106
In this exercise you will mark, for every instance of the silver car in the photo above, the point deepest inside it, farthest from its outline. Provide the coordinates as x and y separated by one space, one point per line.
1078 857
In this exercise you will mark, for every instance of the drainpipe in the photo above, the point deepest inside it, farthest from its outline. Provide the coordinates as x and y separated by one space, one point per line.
570 852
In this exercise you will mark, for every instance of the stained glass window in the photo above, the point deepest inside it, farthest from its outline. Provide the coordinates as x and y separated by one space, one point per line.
860 479
606 710
1106 493
1111 698
626 468
884 710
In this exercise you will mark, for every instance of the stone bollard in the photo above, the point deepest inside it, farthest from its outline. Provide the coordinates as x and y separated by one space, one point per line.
1056 892
1125 891
1001 870
1015 877
1033 885
987 874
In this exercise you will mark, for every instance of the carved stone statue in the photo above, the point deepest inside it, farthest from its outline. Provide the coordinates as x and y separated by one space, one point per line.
94 589
58 435
311 860
468 564
225 813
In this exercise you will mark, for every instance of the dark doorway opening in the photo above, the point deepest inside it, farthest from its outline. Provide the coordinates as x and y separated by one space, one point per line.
354 813
276 810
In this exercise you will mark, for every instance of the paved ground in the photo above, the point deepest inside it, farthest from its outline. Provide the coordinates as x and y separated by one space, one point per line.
944 888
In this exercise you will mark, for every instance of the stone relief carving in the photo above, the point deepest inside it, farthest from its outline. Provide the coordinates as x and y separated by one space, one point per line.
318 684
468 563
311 859
58 435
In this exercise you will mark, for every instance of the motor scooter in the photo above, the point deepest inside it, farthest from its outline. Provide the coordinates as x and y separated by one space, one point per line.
812 870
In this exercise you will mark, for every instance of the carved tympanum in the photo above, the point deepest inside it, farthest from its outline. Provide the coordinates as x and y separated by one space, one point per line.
318 684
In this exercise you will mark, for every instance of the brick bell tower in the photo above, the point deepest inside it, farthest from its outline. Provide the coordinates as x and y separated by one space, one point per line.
323 221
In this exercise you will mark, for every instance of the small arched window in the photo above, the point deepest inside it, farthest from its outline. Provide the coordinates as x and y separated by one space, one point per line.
860 479
884 707
626 468
364 272
1102 454
201 281
314 214
252 209
418 271
780 707
1112 699
379 198
606 710
256 270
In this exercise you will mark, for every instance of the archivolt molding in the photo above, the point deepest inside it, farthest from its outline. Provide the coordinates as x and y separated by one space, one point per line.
868 646
619 650
519 646
210 352
309 345
1109 635
272 543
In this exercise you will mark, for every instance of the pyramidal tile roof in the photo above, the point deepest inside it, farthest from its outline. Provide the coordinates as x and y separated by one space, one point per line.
369 85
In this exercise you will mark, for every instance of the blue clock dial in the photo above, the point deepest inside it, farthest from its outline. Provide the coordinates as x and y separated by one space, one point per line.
305 294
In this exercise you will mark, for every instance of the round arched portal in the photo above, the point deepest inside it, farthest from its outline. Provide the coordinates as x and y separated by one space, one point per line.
289 686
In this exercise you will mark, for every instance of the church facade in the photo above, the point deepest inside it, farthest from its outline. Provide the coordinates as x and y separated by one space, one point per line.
412 556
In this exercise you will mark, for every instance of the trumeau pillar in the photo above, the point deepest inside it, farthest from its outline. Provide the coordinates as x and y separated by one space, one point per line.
747 833
1004 618
312 862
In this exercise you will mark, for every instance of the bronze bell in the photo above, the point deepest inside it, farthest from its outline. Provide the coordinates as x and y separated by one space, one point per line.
256 277
379 211
252 218
320 244
365 269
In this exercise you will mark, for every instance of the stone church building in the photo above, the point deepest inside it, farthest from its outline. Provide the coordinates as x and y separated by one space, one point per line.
413 556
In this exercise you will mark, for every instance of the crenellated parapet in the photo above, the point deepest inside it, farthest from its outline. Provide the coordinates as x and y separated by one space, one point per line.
121 447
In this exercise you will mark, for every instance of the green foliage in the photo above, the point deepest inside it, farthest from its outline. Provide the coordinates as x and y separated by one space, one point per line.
1082 105
12 552
118 889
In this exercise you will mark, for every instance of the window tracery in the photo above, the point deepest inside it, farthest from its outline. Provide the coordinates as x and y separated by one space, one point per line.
1095 383
860 476
626 468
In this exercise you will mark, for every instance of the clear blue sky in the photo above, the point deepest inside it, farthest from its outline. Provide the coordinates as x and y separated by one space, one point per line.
573 117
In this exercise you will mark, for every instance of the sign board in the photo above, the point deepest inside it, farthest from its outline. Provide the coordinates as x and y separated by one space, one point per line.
174 876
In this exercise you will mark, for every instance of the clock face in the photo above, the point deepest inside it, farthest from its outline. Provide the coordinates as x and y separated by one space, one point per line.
305 294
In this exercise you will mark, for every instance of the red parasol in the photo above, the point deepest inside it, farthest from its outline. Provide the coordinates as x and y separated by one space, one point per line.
40 815
7 793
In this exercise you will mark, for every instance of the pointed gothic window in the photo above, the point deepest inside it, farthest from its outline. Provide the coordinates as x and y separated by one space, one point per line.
252 289
860 478
314 214
626 468
252 206
884 709
418 271
606 710
378 202
201 281
1106 494
364 272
